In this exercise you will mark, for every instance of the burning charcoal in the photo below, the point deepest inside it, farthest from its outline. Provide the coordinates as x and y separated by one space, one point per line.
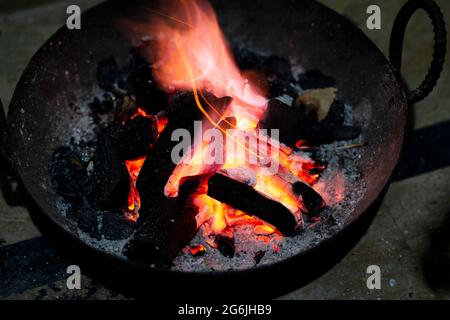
111 178
159 165
107 73
279 67
248 200
193 185
160 240
258 256
314 79
244 175
286 119
116 226
312 200
68 173
197 250
136 136
225 243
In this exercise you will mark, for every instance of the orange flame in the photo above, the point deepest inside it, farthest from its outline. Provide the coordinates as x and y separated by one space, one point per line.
192 54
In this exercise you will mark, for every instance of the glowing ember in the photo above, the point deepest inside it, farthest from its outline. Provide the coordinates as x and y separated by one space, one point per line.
197 250
134 201
134 168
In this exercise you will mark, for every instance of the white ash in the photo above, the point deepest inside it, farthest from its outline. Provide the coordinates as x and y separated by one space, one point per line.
62 206
114 247
286 99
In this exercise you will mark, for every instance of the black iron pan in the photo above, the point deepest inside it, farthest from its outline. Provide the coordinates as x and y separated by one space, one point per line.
63 71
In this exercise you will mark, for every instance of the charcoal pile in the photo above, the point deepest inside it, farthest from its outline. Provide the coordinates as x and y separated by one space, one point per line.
114 187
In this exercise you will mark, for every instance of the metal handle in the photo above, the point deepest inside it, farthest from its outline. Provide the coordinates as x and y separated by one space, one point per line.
440 43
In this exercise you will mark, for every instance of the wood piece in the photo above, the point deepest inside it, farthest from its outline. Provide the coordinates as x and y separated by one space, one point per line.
248 200
284 118
111 181
159 241
136 137
158 165
312 200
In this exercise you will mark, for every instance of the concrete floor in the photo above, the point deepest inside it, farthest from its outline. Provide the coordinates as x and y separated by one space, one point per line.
410 236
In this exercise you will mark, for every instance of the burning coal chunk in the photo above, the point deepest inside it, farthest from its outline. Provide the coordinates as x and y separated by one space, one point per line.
313 202
136 136
245 198
111 182
244 175
159 164
158 241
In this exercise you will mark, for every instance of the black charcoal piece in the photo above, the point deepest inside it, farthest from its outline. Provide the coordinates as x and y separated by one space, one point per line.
243 197
107 73
279 67
99 107
284 118
312 200
279 87
148 94
248 60
258 256
159 165
294 124
136 136
314 79
160 240
225 244
111 181
336 114
68 173
87 218
116 226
